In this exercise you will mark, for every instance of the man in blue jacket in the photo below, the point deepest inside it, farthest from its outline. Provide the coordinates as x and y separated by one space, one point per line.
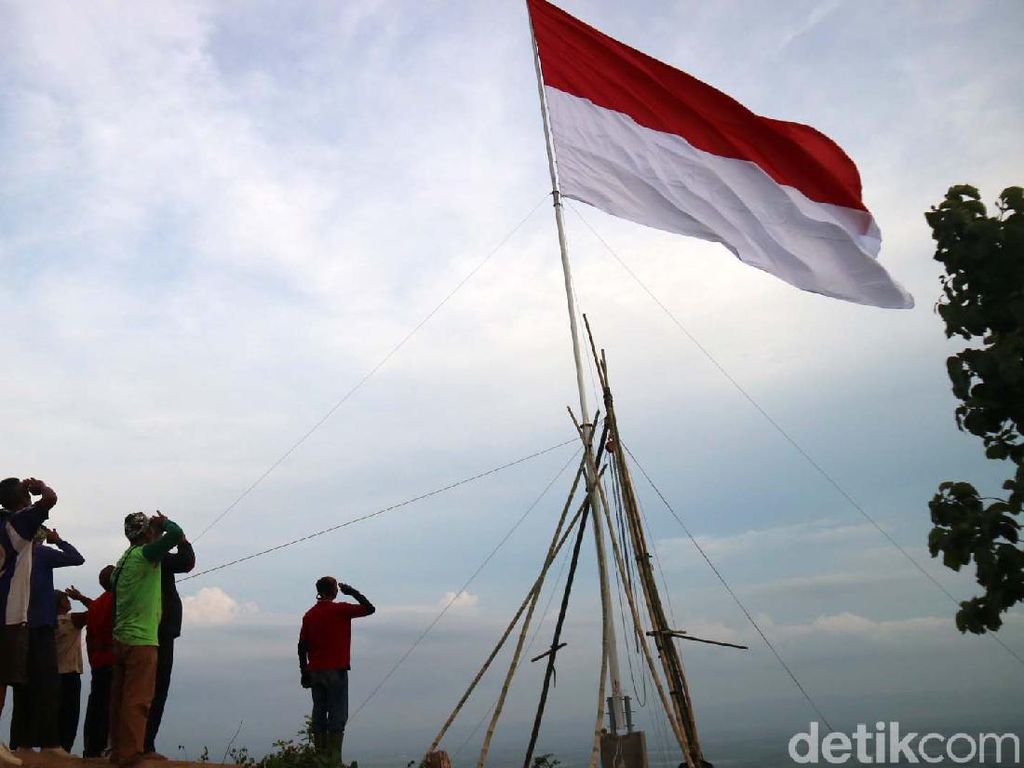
35 721
20 520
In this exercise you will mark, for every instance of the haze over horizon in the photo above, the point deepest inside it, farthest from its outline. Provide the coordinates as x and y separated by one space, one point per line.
219 217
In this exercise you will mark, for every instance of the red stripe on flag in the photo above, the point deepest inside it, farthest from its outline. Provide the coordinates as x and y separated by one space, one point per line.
584 62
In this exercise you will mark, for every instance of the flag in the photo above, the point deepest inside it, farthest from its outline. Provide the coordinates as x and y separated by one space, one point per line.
641 140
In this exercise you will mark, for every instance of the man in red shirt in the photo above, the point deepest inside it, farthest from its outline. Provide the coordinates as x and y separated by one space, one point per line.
99 642
325 642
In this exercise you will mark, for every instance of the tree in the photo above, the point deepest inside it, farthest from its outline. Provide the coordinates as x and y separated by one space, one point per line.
983 301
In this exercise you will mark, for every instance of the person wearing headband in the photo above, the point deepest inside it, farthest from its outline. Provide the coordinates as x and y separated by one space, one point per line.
137 612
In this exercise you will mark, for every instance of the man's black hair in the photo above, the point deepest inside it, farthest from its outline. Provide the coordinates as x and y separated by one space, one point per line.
327 586
107 577
10 492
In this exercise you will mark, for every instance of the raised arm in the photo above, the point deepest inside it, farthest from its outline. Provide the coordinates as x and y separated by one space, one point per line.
73 593
367 607
48 499
26 522
64 556
156 551
181 561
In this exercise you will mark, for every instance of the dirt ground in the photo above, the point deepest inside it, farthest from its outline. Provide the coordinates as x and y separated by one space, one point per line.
52 761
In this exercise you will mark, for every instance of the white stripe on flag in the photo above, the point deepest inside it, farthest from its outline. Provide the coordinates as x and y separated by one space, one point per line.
659 179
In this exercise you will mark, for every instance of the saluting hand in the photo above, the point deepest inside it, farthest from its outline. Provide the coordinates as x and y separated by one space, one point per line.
52 537
346 589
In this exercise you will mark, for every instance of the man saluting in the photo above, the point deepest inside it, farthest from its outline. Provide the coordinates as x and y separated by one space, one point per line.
324 645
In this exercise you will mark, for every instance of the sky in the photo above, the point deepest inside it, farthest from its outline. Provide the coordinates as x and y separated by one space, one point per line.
218 218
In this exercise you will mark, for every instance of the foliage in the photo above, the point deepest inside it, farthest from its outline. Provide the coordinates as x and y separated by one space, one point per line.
297 752
204 756
983 302
241 756
546 761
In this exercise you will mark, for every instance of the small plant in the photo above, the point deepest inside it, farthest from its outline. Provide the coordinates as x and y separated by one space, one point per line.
241 756
546 761
296 752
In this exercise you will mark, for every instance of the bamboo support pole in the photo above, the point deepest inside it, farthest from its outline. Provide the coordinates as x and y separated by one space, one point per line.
671 662
561 535
595 750
677 730
638 627
590 471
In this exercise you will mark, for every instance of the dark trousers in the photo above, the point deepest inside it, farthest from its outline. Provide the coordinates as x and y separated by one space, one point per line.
330 700
34 722
164 664
96 732
70 708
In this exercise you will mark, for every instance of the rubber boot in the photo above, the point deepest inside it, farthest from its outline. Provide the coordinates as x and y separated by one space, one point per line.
320 743
334 749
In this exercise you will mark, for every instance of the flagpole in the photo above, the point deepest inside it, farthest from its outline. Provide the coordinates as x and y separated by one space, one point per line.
617 709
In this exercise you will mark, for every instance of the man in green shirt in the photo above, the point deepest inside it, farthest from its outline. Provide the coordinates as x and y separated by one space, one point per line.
137 611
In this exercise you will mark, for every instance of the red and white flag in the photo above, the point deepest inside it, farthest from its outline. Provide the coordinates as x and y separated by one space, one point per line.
641 140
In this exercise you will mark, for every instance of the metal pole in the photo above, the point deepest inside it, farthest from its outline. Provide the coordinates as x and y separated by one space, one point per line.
617 711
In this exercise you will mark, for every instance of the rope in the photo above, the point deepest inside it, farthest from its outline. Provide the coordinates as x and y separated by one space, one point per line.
534 594
462 589
366 377
524 631
729 589
529 646
626 583
393 507
534 590
789 438
678 727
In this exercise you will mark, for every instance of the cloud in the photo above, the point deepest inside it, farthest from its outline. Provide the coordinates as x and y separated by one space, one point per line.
815 532
212 606
463 601
847 624
822 582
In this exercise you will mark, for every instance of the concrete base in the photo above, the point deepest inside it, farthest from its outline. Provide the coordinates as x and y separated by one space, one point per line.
627 750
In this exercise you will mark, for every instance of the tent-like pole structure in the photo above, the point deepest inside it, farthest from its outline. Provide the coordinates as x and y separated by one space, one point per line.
616 710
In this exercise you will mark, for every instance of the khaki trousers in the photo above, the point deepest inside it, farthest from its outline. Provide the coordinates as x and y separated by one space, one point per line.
131 694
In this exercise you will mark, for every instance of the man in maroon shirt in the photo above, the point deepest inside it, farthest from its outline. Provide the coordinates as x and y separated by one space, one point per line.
325 642
99 642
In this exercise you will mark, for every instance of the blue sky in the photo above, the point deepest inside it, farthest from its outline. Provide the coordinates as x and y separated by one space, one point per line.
217 217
